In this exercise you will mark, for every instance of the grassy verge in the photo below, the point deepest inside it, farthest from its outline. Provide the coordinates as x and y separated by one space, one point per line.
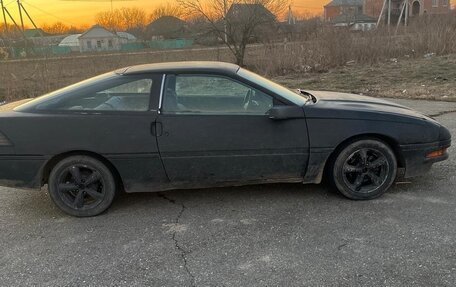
432 78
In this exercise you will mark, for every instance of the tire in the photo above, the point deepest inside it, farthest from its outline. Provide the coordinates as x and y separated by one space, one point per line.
364 169
82 186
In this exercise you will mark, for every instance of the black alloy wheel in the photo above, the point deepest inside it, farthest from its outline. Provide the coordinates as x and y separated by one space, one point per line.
364 169
82 186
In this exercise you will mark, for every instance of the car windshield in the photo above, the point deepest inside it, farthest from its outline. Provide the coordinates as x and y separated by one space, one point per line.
290 95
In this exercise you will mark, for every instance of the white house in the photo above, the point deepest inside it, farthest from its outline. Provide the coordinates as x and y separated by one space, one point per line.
98 38
72 41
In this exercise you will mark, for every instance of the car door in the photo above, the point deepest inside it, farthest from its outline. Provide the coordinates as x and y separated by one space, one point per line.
213 129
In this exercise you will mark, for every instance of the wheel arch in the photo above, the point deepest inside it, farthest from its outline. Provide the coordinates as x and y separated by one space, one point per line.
391 142
49 165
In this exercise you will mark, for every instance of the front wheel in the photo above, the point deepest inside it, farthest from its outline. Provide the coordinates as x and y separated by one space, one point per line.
364 169
82 186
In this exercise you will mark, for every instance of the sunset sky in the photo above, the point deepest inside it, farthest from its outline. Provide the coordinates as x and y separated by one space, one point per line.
77 12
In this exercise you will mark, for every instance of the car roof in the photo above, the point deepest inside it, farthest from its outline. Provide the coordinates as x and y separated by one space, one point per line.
181 67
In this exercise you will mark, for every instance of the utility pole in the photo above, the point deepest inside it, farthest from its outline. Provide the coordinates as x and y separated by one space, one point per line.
389 13
20 14
381 14
4 15
30 18
406 12
224 24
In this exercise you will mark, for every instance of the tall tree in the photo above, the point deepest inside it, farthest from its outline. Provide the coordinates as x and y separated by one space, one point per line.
237 22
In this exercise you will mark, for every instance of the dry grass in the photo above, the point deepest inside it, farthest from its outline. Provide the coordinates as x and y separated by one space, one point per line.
424 78
331 47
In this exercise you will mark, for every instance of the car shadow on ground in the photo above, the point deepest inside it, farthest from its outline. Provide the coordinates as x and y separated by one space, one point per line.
232 195
39 205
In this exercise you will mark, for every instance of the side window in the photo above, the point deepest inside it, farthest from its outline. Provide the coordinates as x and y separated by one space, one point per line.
131 96
206 94
119 94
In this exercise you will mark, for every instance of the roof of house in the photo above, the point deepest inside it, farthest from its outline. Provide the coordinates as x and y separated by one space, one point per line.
97 31
179 67
70 41
126 35
335 3
30 33
166 25
243 10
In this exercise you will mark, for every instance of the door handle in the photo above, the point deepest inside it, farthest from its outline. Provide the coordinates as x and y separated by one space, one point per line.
157 129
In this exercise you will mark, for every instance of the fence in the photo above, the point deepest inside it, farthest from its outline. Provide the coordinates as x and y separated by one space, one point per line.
39 51
170 44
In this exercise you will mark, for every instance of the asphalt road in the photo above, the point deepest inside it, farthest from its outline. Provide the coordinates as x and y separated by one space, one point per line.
270 235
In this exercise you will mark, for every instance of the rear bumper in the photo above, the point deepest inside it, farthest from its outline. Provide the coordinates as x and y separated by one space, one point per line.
416 162
21 171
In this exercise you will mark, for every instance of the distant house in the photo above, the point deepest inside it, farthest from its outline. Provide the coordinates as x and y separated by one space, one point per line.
357 22
239 13
349 13
336 8
32 33
242 15
373 8
166 27
40 38
98 38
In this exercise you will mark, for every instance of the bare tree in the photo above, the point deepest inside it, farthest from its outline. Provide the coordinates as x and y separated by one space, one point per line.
133 18
166 10
237 22
57 28
122 19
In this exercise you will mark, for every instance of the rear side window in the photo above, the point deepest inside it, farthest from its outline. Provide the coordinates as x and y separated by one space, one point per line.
122 93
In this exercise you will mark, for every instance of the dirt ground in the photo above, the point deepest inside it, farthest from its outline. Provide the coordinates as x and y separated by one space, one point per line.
432 78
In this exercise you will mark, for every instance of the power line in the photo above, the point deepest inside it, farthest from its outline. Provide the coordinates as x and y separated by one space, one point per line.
49 14
11 2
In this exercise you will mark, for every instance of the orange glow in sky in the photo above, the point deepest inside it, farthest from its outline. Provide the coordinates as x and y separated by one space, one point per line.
82 12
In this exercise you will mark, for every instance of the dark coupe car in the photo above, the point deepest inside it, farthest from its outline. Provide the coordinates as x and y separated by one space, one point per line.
203 124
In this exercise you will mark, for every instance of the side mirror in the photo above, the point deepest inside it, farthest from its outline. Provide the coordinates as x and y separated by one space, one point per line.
285 112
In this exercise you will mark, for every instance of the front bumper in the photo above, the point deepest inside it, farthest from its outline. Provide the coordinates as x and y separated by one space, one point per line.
21 171
416 160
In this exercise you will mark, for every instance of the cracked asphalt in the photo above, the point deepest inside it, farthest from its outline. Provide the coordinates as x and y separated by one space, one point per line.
268 235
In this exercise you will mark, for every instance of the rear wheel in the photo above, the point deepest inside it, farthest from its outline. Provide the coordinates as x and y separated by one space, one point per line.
364 169
82 186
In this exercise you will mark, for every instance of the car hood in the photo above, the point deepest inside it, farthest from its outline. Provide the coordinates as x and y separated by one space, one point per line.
347 103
